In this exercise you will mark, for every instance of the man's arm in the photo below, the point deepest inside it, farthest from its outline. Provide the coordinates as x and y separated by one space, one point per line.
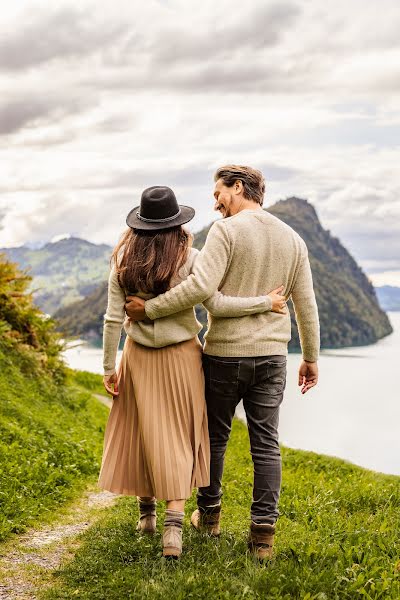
208 272
306 310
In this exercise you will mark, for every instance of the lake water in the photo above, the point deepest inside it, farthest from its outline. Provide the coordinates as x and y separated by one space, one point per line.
353 412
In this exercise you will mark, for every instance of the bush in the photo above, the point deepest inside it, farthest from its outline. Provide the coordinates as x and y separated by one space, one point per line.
24 326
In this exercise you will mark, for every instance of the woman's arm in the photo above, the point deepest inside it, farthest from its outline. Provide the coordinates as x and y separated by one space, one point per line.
113 320
220 305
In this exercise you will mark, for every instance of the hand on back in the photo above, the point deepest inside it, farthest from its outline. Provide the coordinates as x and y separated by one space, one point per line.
134 308
278 301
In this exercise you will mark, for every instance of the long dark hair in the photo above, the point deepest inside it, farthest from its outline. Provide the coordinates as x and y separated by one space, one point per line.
146 261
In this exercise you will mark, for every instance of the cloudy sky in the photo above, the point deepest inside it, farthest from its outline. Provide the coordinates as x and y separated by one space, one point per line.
101 101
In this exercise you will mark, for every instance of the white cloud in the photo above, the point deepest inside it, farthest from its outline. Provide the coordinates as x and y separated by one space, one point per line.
142 94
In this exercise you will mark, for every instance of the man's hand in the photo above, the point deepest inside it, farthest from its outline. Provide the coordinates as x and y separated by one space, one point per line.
110 380
134 308
308 375
278 301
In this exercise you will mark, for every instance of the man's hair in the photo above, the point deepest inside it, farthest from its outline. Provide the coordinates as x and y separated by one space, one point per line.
252 180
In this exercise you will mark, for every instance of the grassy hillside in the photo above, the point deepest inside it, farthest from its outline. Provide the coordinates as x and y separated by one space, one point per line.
349 310
51 428
64 272
51 438
337 539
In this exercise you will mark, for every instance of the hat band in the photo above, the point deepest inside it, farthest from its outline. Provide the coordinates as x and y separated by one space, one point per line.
139 216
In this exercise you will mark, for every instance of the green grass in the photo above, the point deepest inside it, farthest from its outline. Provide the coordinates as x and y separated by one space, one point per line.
51 438
337 538
86 380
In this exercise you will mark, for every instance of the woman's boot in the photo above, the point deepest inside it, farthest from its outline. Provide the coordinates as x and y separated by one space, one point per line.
147 515
172 536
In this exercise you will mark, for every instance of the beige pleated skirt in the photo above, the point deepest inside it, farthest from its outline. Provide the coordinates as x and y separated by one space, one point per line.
156 438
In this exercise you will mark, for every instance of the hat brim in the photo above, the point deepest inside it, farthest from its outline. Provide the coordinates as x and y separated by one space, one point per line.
132 220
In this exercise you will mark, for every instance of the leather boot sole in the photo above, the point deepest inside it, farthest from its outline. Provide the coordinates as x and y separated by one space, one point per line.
172 553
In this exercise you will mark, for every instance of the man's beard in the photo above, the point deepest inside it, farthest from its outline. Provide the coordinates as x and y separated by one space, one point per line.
227 212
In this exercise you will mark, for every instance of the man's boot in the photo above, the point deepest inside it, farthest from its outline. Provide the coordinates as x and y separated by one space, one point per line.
261 540
147 515
207 520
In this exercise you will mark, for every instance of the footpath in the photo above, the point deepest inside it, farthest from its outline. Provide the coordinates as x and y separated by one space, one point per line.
28 560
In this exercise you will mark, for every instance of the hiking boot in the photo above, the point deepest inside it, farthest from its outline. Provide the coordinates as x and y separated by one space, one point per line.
261 540
172 541
207 520
148 517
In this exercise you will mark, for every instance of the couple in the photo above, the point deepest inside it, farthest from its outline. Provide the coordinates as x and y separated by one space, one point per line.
174 400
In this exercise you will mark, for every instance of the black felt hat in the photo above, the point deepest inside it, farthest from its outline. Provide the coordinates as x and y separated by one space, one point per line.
159 209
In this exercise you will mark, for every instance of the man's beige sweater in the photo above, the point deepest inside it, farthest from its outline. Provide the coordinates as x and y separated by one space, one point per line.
249 254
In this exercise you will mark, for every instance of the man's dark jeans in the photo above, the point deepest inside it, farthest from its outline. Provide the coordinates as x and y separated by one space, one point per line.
260 381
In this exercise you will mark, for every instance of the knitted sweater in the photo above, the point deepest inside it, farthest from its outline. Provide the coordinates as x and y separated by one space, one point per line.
250 253
172 329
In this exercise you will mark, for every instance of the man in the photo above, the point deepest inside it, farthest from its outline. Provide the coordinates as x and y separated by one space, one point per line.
246 253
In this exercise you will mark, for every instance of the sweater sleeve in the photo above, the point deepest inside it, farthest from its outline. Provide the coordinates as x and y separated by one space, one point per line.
208 272
306 309
220 305
113 321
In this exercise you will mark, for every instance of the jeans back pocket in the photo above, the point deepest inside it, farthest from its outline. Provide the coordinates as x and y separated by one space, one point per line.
223 377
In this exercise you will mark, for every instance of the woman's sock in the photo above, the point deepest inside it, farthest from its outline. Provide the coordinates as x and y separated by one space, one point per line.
147 504
174 517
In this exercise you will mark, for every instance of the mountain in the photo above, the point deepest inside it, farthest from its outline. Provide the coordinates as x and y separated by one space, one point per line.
63 271
348 306
389 297
85 317
349 311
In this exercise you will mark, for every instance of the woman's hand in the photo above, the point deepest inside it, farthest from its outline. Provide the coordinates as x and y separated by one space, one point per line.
110 380
278 301
134 308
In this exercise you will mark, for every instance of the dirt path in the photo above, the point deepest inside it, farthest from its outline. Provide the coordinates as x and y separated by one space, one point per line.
27 560
104 399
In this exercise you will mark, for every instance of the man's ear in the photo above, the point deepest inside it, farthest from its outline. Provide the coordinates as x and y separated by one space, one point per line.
238 186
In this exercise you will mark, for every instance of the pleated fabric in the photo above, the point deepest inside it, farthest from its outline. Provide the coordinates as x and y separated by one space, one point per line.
156 439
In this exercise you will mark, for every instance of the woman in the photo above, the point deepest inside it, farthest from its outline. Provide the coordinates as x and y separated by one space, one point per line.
156 442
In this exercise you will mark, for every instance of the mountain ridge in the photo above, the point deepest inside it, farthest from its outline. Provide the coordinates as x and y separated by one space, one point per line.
389 297
64 271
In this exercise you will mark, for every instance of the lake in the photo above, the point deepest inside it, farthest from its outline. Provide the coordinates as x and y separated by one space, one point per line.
353 412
